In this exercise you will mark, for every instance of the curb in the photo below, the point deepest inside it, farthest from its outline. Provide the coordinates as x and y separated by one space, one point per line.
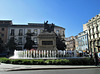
52 68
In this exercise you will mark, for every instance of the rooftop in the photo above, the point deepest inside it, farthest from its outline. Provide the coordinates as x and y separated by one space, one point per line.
9 23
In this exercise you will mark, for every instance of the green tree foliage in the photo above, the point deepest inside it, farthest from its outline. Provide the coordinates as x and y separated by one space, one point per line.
60 43
29 43
11 44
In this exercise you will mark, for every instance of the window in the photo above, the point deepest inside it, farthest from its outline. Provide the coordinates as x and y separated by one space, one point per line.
20 32
89 31
20 40
2 35
86 42
93 36
35 40
98 20
57 32
95 43
85 37
99 50
3 29
29 31
63 33
41 30
90 36
12 32
97 35
92 30
35 31
83 43
97 28
99 42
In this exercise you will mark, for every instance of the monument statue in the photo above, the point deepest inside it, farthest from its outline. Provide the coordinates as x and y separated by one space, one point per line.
47 39
48 27
52 27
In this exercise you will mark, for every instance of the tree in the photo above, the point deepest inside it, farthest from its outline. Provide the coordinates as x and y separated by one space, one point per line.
11 45
29 43
60 43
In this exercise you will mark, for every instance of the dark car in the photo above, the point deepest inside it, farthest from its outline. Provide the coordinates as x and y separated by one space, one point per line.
3 54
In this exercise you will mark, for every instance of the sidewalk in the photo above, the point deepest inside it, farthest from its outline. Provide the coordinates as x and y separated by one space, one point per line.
11 67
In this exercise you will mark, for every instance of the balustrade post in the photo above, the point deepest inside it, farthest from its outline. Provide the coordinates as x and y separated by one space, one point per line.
42 53
26 53
50 53
39 53
47 53
34 53
31 53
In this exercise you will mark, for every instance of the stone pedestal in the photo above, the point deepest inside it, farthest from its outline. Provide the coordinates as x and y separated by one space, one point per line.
47 41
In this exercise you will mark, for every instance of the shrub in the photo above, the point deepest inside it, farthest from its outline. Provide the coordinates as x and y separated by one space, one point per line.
64 61
5 60
57 62
77 61
39 62
16 61
48 62
82 61
27 62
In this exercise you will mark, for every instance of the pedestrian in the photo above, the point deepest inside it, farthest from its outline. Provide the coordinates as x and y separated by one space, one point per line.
96 58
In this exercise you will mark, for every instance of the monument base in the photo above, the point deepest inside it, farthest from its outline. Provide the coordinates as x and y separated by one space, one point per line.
47 41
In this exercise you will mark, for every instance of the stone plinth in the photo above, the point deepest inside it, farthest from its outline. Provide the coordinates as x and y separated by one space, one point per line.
47 41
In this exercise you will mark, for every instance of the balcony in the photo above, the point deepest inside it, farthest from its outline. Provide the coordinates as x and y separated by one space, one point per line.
12 34
20 34
19 43
35 34
97 32
89 34
96 25
93 33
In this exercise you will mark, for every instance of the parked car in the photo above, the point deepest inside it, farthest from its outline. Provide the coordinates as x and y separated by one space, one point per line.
3 54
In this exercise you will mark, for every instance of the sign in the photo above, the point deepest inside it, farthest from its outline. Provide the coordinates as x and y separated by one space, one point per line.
99 54
47 42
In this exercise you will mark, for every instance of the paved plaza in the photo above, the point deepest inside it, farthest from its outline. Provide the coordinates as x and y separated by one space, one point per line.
11 67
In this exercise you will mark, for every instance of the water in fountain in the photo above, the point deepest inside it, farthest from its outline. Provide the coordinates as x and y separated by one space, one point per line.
41 54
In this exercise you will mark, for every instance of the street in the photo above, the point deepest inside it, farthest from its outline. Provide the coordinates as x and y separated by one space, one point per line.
64 71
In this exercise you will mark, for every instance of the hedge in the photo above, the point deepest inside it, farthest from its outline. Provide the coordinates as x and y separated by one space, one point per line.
83 61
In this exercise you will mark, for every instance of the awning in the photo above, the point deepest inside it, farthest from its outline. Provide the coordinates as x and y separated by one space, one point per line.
84 51
80 51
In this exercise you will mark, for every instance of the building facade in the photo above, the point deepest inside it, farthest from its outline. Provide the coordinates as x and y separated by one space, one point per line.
70 43
93 27
4 24
82 42
76 42
84 27
19 32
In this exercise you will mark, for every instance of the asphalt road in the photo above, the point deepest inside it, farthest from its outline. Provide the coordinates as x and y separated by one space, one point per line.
64 71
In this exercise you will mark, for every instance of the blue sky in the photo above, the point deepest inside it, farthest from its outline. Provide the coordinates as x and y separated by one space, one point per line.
70 14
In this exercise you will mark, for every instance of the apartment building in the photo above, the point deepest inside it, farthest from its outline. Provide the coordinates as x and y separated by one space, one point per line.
19 32
93 28
82 42
70 43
